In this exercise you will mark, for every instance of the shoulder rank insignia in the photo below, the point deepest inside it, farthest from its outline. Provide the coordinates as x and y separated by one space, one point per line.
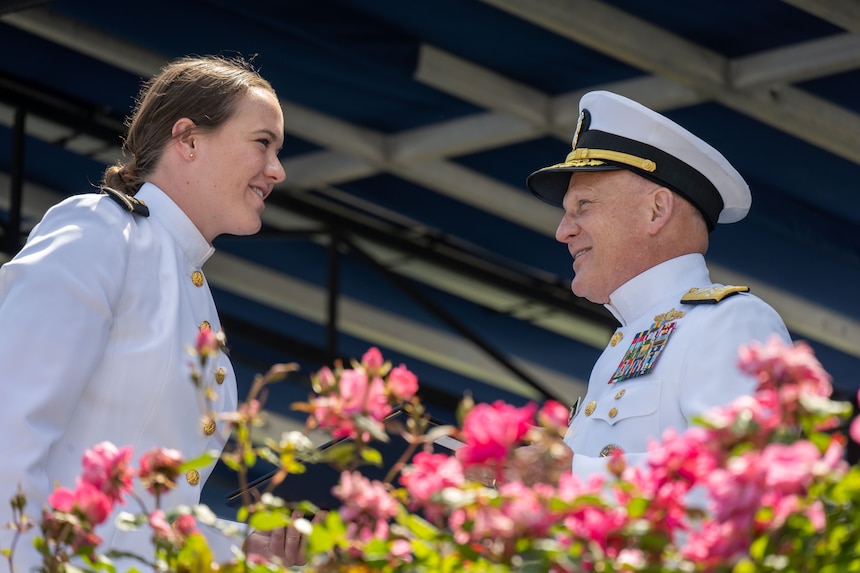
646 347
711 295
127 202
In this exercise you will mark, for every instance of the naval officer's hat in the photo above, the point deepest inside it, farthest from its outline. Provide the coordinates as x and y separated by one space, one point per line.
617 133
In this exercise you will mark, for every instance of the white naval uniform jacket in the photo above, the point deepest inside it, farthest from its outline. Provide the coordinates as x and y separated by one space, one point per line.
696 369
96 312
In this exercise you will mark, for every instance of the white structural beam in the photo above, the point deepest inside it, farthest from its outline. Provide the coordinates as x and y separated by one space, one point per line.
656 51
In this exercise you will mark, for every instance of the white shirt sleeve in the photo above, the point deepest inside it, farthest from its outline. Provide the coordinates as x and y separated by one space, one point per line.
711 376
56 300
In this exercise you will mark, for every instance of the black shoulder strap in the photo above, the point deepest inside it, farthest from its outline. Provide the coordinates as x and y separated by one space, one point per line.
127 202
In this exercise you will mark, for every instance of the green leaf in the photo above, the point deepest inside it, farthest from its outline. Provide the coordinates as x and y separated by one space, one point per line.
201 461
340 455
422 528
637 507
371 456
744 566
269 520
195 556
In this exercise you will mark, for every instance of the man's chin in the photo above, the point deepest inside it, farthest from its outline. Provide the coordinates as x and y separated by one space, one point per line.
582 291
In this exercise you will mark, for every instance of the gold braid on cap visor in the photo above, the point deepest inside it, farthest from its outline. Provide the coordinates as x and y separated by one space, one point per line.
580 156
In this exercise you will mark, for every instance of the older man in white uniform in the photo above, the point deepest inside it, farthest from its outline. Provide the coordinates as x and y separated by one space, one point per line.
640 195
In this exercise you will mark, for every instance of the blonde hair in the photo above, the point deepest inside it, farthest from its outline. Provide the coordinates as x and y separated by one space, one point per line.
204 89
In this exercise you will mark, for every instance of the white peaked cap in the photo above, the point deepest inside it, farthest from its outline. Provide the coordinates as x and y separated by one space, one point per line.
615 132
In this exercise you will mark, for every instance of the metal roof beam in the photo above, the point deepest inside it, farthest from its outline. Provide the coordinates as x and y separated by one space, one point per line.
638 43
842 13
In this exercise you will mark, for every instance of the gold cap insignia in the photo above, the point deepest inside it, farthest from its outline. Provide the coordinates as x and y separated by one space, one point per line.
581 125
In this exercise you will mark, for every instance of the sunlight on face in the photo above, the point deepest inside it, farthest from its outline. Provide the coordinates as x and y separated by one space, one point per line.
603 228
242 165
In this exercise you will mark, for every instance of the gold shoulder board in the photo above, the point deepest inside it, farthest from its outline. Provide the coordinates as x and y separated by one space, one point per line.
127 202
711 295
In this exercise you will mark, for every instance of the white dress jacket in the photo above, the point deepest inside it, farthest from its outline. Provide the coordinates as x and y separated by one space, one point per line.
96 312
693 356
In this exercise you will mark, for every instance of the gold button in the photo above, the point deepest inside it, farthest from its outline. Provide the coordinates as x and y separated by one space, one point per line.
613 412
649 165
208 426
616 338
205 326
220 374
193 477
197 278
589 408
609 449
620 394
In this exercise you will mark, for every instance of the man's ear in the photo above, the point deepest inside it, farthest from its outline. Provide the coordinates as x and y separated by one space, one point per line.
662 205
183 137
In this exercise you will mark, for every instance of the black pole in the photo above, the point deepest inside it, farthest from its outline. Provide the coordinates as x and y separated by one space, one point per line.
12 241
450 320
333 294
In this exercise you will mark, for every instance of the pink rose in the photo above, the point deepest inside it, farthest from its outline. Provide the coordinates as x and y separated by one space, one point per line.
207 342
62 499
402 383
160 527
108 469
363 397
490 431
325 379
430 473
372 360
159 469
86 500
186 525
92 503
553 415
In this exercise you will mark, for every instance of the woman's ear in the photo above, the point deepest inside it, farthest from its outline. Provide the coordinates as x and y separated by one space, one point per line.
183 137
661 205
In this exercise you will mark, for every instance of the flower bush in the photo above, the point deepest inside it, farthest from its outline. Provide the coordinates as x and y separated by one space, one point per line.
760 484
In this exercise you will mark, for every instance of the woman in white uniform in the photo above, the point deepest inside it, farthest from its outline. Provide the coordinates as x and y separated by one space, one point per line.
98 306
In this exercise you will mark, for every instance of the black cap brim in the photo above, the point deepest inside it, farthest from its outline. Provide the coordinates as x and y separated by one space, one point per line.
550 184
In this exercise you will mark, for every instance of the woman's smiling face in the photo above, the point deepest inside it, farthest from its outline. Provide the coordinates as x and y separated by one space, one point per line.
238 166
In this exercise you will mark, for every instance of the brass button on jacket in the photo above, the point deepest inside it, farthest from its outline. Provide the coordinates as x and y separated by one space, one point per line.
193 477
197 278
208 426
